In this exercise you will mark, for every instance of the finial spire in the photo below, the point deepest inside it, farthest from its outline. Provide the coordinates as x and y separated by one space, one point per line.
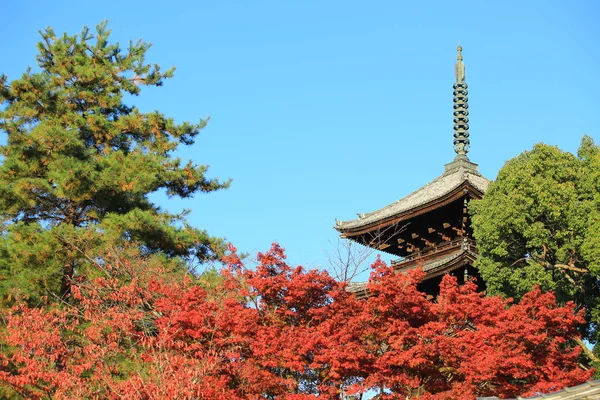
461 106
459 68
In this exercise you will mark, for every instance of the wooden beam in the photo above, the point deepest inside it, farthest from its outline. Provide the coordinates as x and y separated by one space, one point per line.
446 225
384 246
444 237
464 219
427 242
430 230
400 241
414 235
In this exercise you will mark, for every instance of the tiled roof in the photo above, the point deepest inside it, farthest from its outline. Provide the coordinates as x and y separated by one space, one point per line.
443 185
429 267
356 286
587 391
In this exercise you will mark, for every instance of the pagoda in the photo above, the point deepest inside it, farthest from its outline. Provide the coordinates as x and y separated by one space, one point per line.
430 228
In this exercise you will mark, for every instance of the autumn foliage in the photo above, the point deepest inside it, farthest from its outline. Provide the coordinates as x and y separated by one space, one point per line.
274 331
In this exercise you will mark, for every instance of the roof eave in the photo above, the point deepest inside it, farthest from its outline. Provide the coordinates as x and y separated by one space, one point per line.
458 192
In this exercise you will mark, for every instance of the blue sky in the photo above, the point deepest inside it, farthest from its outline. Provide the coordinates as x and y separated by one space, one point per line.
323 109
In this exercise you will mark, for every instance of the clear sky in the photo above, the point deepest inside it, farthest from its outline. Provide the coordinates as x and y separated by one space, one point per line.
323 109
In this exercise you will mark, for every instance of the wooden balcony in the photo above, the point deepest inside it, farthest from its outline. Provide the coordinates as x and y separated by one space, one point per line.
436 254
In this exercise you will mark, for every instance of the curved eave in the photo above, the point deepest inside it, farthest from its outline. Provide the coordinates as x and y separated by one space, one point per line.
466 257
457 193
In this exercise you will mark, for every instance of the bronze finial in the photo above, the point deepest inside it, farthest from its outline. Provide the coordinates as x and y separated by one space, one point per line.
461 108
459 68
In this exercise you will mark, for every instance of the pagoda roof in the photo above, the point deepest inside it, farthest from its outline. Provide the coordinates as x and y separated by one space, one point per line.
458 175
432 268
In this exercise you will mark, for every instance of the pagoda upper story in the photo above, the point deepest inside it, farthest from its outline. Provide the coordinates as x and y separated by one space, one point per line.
430 228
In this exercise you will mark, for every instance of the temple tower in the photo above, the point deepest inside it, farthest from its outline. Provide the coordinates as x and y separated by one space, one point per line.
430 228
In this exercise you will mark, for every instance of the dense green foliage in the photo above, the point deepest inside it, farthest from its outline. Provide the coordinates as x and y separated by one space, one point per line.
539 223
79 164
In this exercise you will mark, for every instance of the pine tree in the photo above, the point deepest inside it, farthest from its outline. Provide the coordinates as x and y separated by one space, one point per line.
79 163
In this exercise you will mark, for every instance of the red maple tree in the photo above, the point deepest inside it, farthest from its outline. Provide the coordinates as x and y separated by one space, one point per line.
280 332
464 345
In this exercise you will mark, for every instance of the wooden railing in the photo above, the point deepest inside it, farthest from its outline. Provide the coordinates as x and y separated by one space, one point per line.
446 247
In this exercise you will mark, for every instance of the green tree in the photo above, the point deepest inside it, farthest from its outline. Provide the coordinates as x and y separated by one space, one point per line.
539 224
79 163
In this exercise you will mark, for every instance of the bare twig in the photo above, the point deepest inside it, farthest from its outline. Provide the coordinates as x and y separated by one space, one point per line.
348 260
